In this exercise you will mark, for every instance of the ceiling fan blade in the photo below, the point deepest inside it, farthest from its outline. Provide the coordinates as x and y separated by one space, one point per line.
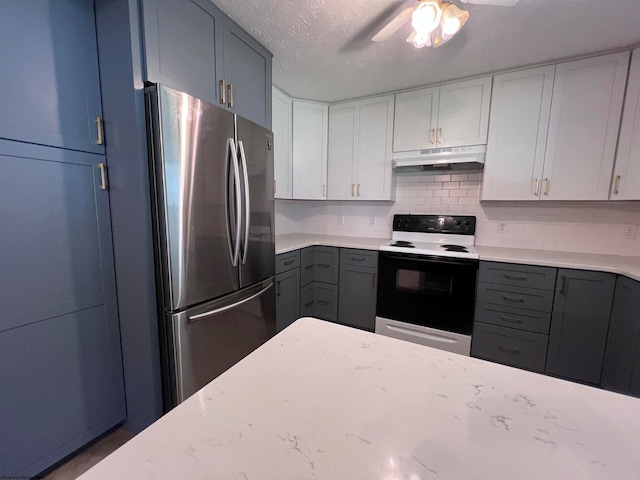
497 3
393 26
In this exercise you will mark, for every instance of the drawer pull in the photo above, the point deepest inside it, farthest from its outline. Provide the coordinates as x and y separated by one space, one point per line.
510 319
513 299
323 302
360 259
289 262
509 349
308 303
308 267
563 288
324 265
278 288
514 277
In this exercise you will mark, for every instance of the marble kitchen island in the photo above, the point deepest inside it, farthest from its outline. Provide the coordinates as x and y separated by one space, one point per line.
329 402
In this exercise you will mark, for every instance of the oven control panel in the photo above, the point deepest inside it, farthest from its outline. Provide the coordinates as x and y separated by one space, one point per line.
458 224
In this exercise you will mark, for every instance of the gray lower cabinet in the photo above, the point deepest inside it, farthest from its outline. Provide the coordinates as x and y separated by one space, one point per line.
307 265
326 261
287 298
358 287
579 324
621 372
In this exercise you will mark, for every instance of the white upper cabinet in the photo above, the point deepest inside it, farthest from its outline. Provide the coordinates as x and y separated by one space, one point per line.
416 120
310 132
583 127
452 115
463 115
626 175
520 106
282 147
360 136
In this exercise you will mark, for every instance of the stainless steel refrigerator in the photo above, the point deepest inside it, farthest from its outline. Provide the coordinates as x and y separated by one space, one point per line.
213 209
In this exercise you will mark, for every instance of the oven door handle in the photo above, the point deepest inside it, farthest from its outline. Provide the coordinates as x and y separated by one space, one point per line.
429 259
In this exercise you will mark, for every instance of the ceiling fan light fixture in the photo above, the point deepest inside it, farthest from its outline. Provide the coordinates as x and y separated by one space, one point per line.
453 19
419 39
426 17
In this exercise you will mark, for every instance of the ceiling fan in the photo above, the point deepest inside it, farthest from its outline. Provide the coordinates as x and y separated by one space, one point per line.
434 22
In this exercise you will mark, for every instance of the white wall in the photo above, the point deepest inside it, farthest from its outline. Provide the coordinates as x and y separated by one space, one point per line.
591 227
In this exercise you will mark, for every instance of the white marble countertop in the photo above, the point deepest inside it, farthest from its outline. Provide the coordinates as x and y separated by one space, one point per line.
325 401
295 241
628 266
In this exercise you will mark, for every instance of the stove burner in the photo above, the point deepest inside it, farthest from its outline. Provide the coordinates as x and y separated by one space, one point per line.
455 248
403 243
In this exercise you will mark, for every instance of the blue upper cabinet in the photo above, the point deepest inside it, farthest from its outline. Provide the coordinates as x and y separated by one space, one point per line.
183 43
193 47
48 54
247 71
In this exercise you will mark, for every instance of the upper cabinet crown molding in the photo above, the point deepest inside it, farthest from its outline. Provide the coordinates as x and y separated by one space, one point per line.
555 143
450 115
360 148
626 175
193 47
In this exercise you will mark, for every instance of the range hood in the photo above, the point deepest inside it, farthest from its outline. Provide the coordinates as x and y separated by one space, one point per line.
440 159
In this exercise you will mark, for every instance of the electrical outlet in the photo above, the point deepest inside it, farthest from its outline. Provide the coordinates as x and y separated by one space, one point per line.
372 221
502 227
340 219
630 232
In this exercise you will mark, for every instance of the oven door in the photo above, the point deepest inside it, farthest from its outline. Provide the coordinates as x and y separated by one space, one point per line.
435 292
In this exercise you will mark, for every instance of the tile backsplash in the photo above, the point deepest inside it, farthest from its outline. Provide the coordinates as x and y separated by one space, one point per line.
589 227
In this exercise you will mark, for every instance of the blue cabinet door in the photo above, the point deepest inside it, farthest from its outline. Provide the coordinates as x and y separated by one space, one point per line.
247 71
183 46
50 86
60 359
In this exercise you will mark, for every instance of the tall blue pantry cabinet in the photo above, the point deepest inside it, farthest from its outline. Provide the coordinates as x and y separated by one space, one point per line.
60 360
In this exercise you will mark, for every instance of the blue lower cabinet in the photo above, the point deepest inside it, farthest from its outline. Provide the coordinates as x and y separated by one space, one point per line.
60 357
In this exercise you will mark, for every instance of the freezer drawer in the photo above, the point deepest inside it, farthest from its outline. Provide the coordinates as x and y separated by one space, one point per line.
209 339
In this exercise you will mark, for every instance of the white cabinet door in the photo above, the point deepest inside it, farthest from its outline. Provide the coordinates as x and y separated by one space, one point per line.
583 127
416 118
343 151
310 124
520 106
626 175
282 155
463 114
374 168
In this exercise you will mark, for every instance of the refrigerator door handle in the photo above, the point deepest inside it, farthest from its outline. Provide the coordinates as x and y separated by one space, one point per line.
230 307
234 251
247 206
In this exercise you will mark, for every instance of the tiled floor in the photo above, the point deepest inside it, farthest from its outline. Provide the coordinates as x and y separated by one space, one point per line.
86 459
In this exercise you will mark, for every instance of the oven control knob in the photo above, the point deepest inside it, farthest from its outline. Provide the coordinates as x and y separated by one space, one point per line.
467 223
457 222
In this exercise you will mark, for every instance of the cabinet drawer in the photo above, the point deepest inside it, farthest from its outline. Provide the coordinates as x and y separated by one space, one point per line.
307 265
361 258
527 298
509 346
326 264
518 275
518 318
287 261
325 297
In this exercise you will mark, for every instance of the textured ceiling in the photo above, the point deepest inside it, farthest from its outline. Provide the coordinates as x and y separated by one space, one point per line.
322 49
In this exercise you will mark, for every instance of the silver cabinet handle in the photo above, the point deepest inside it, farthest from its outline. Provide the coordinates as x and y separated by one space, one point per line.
230 91
513 299
508 349
563 286
373 280
234 251
361 259
537 187
100 139
103 176
547 184
358 189
440 139
217 311
353 186
510 319
432 138
278 289
323 189
275 189
289 262
223 92
616 185
247 201
514 277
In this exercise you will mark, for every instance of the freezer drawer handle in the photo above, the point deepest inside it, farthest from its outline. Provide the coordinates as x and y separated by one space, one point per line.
229 307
